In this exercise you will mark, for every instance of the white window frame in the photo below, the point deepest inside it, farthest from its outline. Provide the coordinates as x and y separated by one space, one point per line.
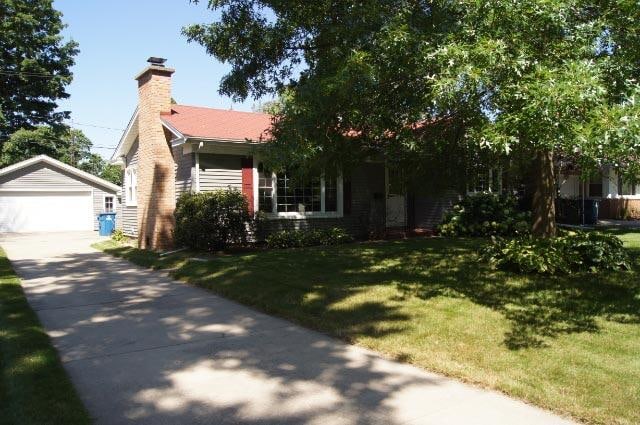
131 185
113 203
275 214
490 188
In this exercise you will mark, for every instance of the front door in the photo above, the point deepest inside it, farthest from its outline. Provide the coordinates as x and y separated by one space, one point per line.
396 207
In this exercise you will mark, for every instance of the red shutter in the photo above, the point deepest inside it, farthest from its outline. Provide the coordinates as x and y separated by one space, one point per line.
247 181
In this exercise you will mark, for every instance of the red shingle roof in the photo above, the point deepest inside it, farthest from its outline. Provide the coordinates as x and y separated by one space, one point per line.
210 123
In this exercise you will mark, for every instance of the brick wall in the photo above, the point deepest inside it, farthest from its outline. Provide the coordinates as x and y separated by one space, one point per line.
156 172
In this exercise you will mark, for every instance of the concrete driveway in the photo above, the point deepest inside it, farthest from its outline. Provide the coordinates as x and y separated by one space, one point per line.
143 348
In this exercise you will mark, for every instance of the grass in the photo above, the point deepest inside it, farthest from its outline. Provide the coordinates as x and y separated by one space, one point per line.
34 388
569 343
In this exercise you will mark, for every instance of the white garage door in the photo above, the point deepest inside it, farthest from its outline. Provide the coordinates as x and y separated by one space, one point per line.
45 211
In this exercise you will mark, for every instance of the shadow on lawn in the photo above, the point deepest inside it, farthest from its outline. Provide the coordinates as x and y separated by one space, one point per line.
538 307
306 285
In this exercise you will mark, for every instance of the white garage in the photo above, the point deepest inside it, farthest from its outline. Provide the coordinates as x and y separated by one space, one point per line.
45 195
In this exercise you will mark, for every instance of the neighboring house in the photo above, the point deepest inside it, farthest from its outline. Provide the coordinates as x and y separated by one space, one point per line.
618 199
169 149
44 194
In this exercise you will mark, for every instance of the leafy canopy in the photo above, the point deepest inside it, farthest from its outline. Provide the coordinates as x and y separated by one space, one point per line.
506 77
35 65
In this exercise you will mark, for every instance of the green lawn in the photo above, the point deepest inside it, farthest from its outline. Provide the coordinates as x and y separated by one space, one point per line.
34 388
571 344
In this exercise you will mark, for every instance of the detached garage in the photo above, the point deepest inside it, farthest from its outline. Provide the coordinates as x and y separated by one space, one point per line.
42 194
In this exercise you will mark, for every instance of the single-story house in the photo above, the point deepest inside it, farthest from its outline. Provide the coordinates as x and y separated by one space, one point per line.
43 194
618 199
168 149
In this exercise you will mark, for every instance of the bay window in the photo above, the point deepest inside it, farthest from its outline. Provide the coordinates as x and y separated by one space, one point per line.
283 195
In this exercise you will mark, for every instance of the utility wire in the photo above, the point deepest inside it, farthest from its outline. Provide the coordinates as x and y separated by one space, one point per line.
31 74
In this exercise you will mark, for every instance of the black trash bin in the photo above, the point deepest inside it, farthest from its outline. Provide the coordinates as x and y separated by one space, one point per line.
591 211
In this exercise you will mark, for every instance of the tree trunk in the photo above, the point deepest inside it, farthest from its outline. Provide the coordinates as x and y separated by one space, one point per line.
544 209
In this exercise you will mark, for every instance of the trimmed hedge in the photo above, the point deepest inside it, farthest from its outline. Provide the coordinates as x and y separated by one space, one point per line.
570 253
211 221
486 214
301 238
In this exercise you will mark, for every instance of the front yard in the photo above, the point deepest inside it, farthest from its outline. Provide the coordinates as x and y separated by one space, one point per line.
570 344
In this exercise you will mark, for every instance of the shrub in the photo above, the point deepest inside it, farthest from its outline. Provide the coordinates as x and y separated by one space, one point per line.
486 214
118 236
212 220
569 253
300 238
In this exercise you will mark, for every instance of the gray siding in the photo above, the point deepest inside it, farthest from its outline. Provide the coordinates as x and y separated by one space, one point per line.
429 210
129 214
43 177
220 172
363 218
98 204
129 220
132 155
185 168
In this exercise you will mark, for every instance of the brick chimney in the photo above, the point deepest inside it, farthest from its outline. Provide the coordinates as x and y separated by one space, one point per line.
156 173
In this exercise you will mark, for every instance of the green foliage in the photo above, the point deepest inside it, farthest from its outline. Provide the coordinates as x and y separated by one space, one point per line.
517 78
35 62
486 214
212 220
311 237
570 253
118 236
112 173
70 146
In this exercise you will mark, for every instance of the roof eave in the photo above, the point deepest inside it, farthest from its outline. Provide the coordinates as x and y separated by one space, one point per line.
62 165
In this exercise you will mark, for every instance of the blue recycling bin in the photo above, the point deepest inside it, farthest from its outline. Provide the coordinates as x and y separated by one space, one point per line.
106 223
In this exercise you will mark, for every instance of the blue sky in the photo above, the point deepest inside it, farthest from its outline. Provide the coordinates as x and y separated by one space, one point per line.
116 37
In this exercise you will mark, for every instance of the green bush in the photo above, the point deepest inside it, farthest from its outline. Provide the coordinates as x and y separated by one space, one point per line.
118 236
312 237
211 221
486 214
569 253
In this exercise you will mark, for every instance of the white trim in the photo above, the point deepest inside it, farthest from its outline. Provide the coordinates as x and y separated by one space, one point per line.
61 165
294 215
122 143
197 154
104 198
297 215
255 179
133 200
173 130
43 190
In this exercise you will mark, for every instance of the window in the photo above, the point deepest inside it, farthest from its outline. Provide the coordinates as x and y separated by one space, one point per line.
131 186
595 186
108 204
487 181
625 188
282 194
298 196
265 189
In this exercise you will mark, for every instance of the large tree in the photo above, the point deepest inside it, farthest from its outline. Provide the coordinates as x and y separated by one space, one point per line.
407 79
67 145
35 65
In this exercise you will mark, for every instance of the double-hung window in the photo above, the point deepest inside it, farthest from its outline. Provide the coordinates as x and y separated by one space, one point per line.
108 204
287 196
130 186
